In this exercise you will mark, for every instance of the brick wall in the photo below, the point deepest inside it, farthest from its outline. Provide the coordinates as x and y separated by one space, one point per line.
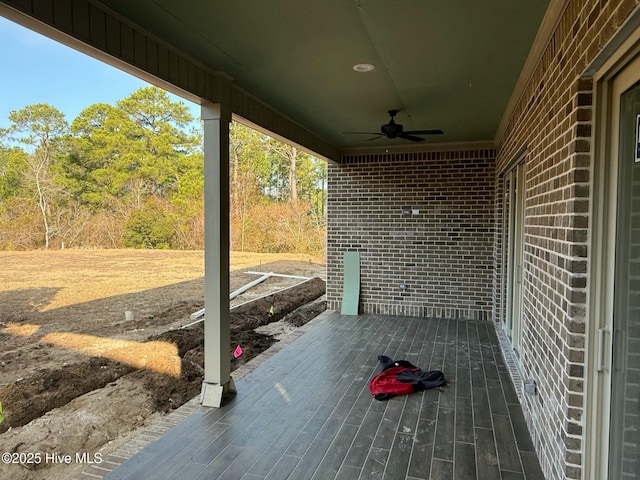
436 262
553 120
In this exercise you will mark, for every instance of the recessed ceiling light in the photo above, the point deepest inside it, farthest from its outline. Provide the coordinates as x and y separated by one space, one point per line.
363 67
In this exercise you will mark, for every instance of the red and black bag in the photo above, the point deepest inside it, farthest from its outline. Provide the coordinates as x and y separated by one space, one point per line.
402 378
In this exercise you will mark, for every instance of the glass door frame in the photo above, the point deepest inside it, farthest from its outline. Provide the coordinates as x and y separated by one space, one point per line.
513 251
624 390
615 76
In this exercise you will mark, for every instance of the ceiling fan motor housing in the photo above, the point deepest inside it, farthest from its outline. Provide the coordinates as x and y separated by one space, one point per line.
396 130
391 130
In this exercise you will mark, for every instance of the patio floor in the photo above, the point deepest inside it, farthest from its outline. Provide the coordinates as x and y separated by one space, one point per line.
306 412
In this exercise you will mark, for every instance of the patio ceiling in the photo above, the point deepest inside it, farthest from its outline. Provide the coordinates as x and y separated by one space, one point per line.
443 65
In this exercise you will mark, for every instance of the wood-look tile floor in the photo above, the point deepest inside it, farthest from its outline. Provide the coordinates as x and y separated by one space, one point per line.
306 412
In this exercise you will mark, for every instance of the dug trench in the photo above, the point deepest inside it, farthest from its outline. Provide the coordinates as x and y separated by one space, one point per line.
82 406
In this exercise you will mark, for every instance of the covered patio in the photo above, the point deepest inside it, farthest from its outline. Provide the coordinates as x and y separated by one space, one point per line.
306 412
507 215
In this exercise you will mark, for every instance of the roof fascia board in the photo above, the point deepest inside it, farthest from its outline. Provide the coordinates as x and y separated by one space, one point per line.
547 28
117 42
253 113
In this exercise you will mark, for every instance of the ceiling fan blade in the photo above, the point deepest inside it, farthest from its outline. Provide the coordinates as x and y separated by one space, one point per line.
413 138
425 132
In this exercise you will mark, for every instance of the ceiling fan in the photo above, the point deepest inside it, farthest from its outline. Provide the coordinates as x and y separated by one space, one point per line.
395 130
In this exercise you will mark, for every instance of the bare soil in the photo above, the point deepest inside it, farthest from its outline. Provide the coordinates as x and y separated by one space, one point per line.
77 373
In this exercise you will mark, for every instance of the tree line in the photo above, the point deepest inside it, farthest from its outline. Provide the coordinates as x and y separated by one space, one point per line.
130 175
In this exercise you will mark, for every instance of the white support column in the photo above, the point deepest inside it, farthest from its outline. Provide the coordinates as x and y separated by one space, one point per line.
218 384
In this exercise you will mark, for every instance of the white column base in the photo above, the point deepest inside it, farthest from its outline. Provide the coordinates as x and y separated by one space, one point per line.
215 395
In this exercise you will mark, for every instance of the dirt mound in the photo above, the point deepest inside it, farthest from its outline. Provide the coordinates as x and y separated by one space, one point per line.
272 308
306 312
83 425
46 389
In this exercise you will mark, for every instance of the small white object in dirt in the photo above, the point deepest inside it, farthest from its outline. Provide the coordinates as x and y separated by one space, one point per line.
128 315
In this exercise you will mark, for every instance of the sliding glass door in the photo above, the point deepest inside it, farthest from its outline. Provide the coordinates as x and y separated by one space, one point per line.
513 240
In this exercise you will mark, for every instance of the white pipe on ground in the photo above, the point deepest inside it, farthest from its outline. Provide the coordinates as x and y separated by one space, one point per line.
237 292
279 275
200 313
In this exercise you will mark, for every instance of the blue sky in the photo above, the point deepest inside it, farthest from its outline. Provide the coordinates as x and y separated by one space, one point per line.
36 69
